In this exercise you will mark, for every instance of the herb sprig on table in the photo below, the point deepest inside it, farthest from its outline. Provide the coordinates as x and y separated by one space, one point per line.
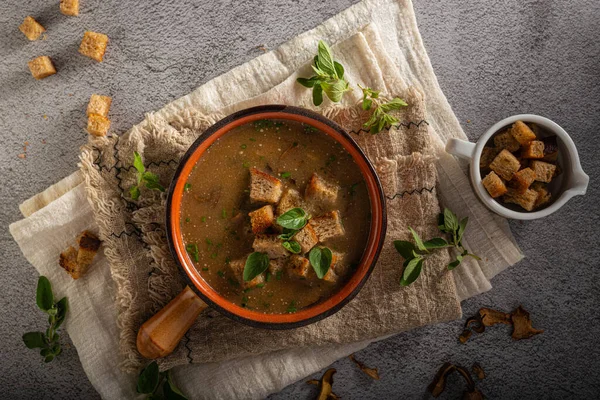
380 119
416 253
151 378
149 179
48 341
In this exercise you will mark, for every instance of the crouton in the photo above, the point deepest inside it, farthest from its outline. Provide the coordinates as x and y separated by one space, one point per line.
93 45
299 267
88 247
523 179
237 268
262 218
328 225
41 67
505 140
487 156
321 191
277 265
505 165
68 261
98 125
264 188
526 200
494 185
269 244
99 105
31 28
533 149
544 195
306 238
69 7
522 133
290 199
332 274
544 172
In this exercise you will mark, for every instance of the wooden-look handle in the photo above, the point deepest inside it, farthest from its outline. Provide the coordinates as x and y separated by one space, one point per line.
160 335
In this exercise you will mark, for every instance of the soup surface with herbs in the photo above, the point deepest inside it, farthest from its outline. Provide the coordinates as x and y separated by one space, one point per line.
275 216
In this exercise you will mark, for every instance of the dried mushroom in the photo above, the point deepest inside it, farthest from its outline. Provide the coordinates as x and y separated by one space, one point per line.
522 328
372 372
478 371
325 385
465 335
437 386
491 317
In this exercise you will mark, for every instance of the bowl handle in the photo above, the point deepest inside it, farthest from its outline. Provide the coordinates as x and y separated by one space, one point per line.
160 335
580 182
460 148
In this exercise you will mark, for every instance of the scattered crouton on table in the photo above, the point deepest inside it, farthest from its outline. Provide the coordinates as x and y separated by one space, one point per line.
41 67
31 28
98 125
69 7
99 105
93 45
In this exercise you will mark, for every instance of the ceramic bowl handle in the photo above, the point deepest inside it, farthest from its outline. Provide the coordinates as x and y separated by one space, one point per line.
160 335
461 148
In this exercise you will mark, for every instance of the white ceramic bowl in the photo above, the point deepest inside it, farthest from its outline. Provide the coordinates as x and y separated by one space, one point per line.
572 182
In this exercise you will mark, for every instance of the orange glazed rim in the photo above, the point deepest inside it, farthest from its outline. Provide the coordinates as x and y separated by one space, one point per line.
314 312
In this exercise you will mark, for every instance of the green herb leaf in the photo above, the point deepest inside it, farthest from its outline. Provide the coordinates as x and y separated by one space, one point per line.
192 249
317 95
44 296
295 218
170 389
366 104
34 340
450 220
394 104
472 256
152 182
138 164
256 264
134 192
335 89
455 263
63 307
418 240
461 228
320 259
412 270
310 82
441 222
292 246
339 69
292 307
187 187
325 60
436 243
285 175
149 379
405 248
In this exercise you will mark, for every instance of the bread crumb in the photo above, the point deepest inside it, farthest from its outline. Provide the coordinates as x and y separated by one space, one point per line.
22 155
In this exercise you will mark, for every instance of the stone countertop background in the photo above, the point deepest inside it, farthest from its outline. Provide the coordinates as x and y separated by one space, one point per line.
493 59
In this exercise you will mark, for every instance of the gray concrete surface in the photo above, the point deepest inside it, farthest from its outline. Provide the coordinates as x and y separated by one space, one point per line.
493 59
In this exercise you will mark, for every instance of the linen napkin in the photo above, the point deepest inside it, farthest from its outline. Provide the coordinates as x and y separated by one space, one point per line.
395 23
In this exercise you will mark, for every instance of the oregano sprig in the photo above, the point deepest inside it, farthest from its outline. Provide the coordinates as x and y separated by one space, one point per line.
380 119
150 380
416 253
47 341
149 179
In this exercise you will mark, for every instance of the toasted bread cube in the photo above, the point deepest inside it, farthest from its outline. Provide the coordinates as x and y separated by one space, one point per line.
487 156
533 149
262 218
88 247
41 67
69 7
93 45
544 195
328 225
277 265
522 133
321 191
264 188
237 267
299 267
269 244
68 261
505 165
523 179
494 185
99 105
306 238
332 275
31 28
98 125
290 199
506 140
544 172
526 200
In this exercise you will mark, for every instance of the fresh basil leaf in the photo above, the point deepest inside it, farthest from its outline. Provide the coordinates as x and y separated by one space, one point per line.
138 164
308 82
435 243
320 259
34 340
292 246
256 264
170 389
335 89
339 69
44 296
450 221
404 248
455 263
295 218
317 95
411 271
287 234
461 228
325 60
418 240
148 379
44 352
134 192
63 307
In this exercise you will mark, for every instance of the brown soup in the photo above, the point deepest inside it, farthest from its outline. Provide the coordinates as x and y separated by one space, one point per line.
220 193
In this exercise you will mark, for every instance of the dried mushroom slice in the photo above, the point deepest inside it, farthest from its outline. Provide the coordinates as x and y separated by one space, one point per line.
437 386
465 335
522 328
478 371
372 372
491 317
325 385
